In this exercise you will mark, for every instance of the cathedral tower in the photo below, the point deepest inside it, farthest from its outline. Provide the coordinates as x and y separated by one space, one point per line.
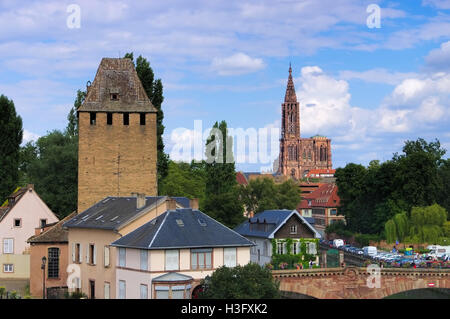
299 155
117 136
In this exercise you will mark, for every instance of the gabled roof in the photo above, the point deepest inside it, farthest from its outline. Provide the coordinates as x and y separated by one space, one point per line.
172 277
13 199
241 179
112 213
275 220
54 234
182 228
324 196
115 75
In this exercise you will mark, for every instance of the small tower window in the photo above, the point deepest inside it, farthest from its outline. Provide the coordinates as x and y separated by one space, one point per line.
126 119
142 118
93 118
114 96
109 118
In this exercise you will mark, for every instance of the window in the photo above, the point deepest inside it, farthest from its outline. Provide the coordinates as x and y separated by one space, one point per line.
122 257
296 247
126 119
8 246
107 289
109 118
106 256
281 248
53 263
144 291
177 292
201 258
78 253
43 223
311 248
266 249
17 222
122 289
142 118
93 118
144 259
114 97
293 229
172 259
333 211
307 213
229 257
8 268
172 292
162 292
92 254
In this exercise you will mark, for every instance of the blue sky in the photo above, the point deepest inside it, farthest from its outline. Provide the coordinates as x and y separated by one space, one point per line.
368 89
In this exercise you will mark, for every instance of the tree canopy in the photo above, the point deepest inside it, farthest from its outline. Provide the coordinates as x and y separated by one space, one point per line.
11 134
263 194
241 282
372 195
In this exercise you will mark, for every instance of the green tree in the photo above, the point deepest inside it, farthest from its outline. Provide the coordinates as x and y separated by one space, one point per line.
444 178
241 282
154 90
72 126
391 231
184 179
54 172
11 134
263 194
221 192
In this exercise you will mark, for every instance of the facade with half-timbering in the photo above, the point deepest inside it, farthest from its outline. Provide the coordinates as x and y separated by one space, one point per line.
299 155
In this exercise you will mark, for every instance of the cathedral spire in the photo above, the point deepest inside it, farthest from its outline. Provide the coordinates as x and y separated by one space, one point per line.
290 90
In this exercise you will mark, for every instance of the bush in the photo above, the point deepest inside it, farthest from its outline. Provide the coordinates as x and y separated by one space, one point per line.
75 295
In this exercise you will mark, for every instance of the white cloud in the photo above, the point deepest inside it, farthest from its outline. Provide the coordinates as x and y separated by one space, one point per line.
239 63
438 60
440 4
378 75
29 136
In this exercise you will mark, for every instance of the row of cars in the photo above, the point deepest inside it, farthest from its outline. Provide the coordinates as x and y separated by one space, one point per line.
436 254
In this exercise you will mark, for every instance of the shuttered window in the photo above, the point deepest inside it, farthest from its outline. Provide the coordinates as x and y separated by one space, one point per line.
106 257
122 289
229 257
107 290
53 262
144 291
172 259
201 258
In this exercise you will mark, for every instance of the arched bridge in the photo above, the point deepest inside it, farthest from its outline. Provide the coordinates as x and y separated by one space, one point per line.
352 282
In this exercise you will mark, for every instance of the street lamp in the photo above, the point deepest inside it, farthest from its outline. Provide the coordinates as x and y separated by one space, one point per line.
44 260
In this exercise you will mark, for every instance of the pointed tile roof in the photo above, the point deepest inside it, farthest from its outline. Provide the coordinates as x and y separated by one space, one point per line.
116 76
290 89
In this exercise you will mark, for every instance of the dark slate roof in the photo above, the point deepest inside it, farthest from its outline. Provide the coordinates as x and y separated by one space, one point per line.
274 218
54 234
310 220
112 213
198 230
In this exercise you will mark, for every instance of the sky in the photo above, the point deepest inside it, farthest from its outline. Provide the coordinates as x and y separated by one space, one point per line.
369 84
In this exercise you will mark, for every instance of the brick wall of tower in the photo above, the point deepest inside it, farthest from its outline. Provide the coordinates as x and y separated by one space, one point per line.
117 159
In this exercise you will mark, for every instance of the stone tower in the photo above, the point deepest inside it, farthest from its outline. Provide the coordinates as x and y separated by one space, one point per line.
299 155
117 136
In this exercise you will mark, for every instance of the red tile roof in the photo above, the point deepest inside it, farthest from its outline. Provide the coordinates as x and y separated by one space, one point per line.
324 196
240 178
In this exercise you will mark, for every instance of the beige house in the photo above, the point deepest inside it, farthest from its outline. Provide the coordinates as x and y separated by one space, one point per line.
23 211
91 258
168 257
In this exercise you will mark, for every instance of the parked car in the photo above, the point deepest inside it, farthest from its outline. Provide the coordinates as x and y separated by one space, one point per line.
370 250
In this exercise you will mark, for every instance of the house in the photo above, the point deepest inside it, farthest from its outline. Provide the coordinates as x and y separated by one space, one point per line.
169 256
273 229
52 243
92 231
23 211
321 204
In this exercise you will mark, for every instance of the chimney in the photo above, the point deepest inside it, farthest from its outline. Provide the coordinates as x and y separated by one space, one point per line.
171 204
193 203
140 200
37 231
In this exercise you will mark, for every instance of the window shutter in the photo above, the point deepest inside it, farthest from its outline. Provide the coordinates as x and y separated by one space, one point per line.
106 256
87 253
73 252
95 255
229 257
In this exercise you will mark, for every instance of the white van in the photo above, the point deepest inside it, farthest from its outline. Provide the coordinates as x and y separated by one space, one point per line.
370 251
338 243
438 251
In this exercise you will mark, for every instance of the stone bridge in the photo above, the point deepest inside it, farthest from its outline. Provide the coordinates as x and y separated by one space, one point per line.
351 282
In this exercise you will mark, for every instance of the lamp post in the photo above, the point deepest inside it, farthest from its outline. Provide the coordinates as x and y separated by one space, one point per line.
44 260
